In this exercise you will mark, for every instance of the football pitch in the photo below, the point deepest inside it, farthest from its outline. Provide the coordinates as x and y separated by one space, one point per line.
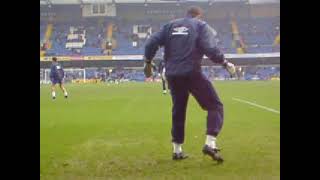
123 132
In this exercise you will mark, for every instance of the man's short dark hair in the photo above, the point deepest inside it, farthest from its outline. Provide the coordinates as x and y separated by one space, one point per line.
54 59
194 11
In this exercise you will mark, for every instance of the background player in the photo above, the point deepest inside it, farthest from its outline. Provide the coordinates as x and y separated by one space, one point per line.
56 76
162 71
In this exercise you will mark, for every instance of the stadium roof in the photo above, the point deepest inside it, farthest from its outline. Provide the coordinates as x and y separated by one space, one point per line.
43 2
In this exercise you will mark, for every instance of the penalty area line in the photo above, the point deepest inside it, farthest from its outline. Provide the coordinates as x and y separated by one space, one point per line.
256 105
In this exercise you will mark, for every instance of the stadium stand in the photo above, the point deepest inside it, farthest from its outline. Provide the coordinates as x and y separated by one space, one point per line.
257 35
94 35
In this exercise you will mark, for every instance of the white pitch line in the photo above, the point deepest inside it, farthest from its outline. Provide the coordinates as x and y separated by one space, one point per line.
257 105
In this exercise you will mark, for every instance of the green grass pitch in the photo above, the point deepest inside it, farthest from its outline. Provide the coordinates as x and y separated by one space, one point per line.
123 132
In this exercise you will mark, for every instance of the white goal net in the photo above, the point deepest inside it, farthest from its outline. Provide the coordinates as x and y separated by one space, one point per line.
70 75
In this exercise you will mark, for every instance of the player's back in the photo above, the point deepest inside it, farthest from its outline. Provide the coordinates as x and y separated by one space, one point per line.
56 71
182 54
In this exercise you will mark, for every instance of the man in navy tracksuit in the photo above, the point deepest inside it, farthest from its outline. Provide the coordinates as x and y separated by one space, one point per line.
185 41
56 77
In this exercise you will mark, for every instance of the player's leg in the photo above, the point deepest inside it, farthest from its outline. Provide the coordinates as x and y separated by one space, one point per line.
53 88
65 93
163 78
53 91
168 85
164 89
207 97
179 94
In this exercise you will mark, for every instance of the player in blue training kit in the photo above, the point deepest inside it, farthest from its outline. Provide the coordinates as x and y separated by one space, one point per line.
162 71
56 76
185 41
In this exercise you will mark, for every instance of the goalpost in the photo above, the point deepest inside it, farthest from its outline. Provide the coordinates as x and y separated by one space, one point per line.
69 75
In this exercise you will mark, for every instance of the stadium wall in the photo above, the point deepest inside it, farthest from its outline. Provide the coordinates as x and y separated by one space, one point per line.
258 59
164 11
61 13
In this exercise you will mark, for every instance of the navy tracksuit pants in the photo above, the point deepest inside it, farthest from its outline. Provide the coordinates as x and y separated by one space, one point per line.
203 91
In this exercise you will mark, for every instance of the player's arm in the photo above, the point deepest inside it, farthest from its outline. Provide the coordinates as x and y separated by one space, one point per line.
152 45
51 71
208 44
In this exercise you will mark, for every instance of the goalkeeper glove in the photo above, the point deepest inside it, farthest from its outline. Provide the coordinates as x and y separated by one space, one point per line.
148 68
230 68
